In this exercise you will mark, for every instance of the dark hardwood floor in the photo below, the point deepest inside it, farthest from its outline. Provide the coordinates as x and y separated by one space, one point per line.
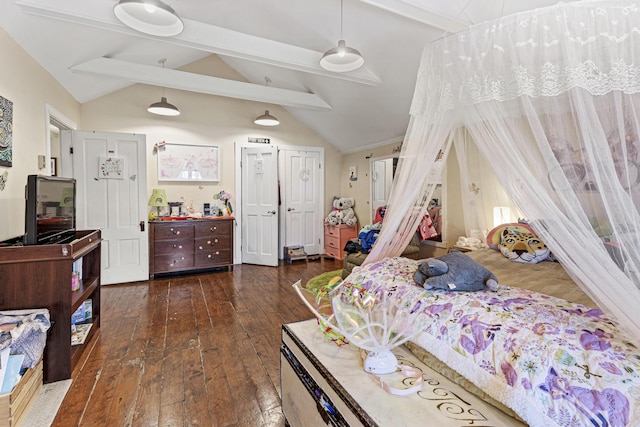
193 350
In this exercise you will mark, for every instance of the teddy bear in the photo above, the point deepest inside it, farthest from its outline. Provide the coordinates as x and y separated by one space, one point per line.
455 271
342 212
345 204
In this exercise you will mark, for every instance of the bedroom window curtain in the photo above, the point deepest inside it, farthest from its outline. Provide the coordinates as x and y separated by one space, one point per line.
552 97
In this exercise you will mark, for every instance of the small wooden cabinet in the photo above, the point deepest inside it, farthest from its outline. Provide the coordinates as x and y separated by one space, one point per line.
39 276
335 237
190 244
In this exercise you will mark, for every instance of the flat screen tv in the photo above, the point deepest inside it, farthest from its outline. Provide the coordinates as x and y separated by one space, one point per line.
50 210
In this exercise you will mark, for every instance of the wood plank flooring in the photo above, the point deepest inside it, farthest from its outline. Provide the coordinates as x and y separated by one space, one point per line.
193 350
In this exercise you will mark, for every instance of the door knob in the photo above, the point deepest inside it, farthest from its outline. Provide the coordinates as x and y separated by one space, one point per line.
271 212
291 209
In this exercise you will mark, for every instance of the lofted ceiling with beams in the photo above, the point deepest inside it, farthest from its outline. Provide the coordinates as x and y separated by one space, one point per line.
91 53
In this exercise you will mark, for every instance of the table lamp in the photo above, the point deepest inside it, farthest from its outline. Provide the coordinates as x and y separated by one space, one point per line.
158 199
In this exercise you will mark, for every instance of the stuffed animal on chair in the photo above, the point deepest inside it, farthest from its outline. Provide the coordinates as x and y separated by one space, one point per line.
455 271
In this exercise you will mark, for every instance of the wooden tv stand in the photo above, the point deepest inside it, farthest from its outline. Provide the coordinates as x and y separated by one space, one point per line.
39 276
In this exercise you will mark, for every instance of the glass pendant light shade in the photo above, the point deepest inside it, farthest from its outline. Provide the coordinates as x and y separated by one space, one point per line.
341 59
149 16
266 120
163 108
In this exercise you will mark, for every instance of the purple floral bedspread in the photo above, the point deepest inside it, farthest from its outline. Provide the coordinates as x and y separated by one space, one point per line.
552 361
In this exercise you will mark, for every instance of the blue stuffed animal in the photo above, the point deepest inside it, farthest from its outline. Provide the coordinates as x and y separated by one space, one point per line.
455 271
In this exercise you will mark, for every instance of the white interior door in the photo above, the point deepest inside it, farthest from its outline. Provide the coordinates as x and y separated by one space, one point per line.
116 202
302 210
259 205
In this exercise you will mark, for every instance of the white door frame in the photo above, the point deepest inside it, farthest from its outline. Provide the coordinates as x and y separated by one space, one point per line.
66 159
238 213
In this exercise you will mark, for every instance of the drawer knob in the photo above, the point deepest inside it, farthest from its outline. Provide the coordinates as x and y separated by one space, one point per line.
209 256
200 247
177 246
217 253
213 228
175 231
215 240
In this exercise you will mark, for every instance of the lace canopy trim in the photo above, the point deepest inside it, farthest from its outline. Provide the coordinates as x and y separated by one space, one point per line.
591 45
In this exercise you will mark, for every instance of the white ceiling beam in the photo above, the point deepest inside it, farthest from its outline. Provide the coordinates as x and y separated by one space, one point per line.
420 13
192 82
208 38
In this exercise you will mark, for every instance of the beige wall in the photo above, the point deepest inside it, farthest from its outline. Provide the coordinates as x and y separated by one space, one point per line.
204 119
360 190
30 88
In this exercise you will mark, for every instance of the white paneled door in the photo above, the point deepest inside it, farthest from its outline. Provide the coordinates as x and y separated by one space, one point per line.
260 205
110 171
302 205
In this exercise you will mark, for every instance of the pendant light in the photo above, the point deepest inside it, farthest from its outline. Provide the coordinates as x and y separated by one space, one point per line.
163 108
266 119
343 58
149 16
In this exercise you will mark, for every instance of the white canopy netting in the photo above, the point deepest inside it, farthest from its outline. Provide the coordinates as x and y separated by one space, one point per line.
551 98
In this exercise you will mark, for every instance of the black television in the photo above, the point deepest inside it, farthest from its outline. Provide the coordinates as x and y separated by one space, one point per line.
50 212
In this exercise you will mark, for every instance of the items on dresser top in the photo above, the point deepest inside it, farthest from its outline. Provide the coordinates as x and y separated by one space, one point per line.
180 245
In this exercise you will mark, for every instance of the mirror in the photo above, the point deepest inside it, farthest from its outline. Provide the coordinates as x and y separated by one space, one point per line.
382 172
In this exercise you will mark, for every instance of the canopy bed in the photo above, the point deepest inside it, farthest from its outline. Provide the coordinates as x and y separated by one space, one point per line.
551 98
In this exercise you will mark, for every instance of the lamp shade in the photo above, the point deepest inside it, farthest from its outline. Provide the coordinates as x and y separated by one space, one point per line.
266 119
341 59
149 16
158 198
163 108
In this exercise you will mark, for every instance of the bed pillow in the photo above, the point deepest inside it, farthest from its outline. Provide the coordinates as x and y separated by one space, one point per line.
523 247
494 236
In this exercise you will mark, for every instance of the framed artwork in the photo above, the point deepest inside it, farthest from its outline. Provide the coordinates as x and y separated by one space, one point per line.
6 132
185 162
54 166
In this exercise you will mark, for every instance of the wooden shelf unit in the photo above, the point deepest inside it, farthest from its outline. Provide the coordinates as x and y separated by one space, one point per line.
39 276
190 244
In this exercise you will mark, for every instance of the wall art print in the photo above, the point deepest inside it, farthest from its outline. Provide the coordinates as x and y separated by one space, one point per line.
184 162
6 132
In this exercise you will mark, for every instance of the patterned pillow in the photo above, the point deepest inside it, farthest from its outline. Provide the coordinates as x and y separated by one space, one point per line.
523 247
495 235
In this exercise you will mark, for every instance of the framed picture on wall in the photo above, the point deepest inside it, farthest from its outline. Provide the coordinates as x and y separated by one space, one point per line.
187 162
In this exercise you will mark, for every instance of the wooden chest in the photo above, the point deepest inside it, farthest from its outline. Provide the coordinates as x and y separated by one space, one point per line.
323 384
335 237
185 245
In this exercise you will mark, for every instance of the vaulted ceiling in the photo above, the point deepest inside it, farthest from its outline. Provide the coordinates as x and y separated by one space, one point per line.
91 53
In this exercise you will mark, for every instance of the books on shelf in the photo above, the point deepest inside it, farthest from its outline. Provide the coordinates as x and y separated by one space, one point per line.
83 313
79 333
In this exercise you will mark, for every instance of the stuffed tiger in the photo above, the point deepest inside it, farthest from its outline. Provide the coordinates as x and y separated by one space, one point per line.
523 247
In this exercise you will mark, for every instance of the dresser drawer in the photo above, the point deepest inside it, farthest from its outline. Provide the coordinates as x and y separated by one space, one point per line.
206 259
213 243
173 262
173 231
219 228
332 242
333 252
177 246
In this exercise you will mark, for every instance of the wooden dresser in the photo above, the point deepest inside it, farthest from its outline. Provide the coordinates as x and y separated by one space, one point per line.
335 237
190 244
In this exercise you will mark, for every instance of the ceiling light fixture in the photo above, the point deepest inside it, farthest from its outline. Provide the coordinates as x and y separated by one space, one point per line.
343 58
163 108
266 119
149 16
